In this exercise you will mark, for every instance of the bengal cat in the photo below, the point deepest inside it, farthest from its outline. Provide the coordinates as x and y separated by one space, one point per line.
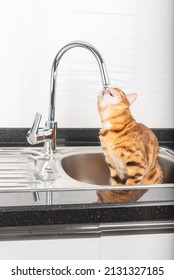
130 148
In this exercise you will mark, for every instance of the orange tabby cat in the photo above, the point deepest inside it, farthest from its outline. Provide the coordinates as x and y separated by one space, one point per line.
130 148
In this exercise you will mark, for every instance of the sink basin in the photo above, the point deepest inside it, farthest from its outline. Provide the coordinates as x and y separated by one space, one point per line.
91 168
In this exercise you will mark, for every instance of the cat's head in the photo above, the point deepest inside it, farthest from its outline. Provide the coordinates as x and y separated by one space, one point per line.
111 100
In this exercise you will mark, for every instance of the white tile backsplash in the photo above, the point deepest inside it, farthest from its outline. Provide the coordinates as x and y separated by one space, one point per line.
36 94
12 34
11 93
135 38
156 8
154 105
127 7
154 45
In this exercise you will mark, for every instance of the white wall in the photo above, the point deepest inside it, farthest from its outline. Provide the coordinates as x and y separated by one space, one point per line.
135 38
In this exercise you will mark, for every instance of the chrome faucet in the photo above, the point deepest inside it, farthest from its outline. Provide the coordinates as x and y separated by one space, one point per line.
48 134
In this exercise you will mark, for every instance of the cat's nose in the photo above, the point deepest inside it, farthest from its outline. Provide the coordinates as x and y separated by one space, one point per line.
105 90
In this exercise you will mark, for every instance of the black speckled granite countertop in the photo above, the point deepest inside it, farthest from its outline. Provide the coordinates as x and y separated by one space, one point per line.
80 219
10 137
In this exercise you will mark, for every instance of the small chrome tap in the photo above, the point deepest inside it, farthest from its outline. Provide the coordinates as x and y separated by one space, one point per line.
48 133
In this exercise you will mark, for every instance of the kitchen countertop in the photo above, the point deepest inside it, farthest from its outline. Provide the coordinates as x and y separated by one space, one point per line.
37 221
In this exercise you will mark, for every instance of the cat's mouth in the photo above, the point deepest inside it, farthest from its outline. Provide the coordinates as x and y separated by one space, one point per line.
106 91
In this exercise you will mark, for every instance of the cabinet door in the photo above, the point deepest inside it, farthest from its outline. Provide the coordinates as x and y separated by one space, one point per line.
75 248
140 246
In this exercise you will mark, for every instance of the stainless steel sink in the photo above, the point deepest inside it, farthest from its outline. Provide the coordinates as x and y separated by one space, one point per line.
91 168
71 175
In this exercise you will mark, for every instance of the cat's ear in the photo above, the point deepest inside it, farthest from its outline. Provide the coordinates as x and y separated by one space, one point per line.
131 97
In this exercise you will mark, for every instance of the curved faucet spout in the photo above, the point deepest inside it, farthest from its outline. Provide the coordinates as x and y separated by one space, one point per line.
74 44
48 133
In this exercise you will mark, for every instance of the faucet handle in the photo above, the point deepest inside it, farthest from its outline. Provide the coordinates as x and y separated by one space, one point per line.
46 134
32 133
36 123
